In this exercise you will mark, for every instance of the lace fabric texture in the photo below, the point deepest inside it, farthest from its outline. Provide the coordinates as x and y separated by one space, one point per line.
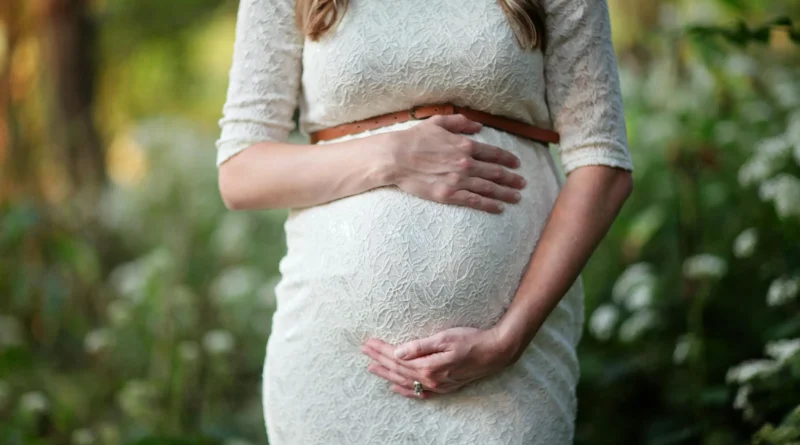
387 264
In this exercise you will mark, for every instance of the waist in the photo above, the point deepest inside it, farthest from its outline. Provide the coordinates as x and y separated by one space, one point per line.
501 123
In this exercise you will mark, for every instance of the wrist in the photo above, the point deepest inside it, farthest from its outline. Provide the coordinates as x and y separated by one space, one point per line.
506 346
511 340
382 151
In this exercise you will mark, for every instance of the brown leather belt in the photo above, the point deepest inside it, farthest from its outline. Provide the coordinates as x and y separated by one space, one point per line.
424 111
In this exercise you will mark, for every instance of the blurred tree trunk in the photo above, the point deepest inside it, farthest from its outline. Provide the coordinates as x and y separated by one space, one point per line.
68 35
8 37
63 76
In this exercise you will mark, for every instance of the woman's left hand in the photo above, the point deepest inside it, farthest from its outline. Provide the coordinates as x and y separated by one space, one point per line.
442 363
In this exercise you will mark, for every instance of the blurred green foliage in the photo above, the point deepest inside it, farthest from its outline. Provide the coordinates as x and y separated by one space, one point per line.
138 313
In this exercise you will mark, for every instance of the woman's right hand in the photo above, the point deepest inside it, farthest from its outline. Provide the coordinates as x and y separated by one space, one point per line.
433 161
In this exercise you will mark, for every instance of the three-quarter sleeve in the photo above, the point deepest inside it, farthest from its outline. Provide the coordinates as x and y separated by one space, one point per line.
264 78
582 85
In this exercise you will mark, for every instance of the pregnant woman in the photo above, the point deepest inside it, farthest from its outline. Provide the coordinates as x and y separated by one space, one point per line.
430 293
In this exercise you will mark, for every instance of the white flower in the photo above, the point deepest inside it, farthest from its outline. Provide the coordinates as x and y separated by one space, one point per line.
742 402
235 284
129 280
83 436
635 287
741 64
683 347
160 259
603 321
783 350
640 298
10 331
218 341
34 402
784 191
635 275
787 93
98 340
188 350
636 325
783 290
773 148
750 369
754 171
745 243
769 157
742 395
704 265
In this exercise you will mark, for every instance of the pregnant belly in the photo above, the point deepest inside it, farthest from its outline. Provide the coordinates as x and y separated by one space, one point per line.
389 264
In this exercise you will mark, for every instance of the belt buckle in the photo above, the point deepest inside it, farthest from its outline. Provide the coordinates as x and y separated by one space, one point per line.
412 112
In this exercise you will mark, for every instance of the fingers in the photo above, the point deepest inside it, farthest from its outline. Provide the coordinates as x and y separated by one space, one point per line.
400 384
428 369
469 199
492 190
417 348
496 174
479 185
406 375
431 364
455 123
424 353
493 154
403 391
458 123
391 376
384 356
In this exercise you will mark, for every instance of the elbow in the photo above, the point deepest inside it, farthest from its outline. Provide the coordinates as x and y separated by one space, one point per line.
230 181
623 185
243 189
228 191
232 203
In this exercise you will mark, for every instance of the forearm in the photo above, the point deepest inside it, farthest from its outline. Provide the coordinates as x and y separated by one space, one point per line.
583 212
285 175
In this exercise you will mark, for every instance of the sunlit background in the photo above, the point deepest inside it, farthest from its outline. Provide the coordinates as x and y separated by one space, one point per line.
134 308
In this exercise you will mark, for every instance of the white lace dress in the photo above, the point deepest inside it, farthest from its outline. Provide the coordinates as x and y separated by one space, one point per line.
387 264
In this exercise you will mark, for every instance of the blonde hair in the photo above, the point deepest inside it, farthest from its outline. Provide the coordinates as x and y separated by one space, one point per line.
526 17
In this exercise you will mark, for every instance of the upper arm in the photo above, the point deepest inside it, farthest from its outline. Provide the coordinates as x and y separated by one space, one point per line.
264 78
582 82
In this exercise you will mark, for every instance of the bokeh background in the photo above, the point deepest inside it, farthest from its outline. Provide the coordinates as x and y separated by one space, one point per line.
134 308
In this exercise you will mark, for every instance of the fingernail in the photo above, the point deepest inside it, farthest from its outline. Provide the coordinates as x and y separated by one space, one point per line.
522 182
517 196
399 353
501 207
